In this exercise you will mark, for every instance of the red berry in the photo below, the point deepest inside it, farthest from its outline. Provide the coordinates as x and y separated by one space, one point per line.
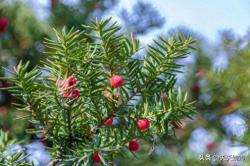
116 81
196 88
68 83
211 146
108 122
75 94
133 146
44 141
143 123
96 158
176 125
69 89
4 22
71 81
66 94
60 83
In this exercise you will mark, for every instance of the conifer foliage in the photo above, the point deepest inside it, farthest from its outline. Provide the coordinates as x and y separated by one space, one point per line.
9 154
99 99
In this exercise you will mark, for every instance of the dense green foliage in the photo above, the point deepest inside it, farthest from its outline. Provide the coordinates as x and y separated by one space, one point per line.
92 56
28 23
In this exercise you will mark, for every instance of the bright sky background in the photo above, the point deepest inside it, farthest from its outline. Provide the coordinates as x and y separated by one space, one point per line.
204 16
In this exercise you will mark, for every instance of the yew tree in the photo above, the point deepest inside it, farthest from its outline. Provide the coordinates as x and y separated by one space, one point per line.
99 93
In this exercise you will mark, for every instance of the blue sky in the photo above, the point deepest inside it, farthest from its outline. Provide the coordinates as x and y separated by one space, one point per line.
204 16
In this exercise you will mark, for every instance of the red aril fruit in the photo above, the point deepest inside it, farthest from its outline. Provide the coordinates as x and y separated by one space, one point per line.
75 94
196 88
211 146
60 83
133 146
116 81
176 125
96 158
4 22
143 124
71 81
108 122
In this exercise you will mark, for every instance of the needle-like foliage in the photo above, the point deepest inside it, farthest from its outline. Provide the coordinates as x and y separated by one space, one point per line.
9 155
73 116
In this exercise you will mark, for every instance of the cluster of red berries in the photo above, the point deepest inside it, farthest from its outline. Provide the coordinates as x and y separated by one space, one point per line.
69 88
116 81
142 124
70 91
4 22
